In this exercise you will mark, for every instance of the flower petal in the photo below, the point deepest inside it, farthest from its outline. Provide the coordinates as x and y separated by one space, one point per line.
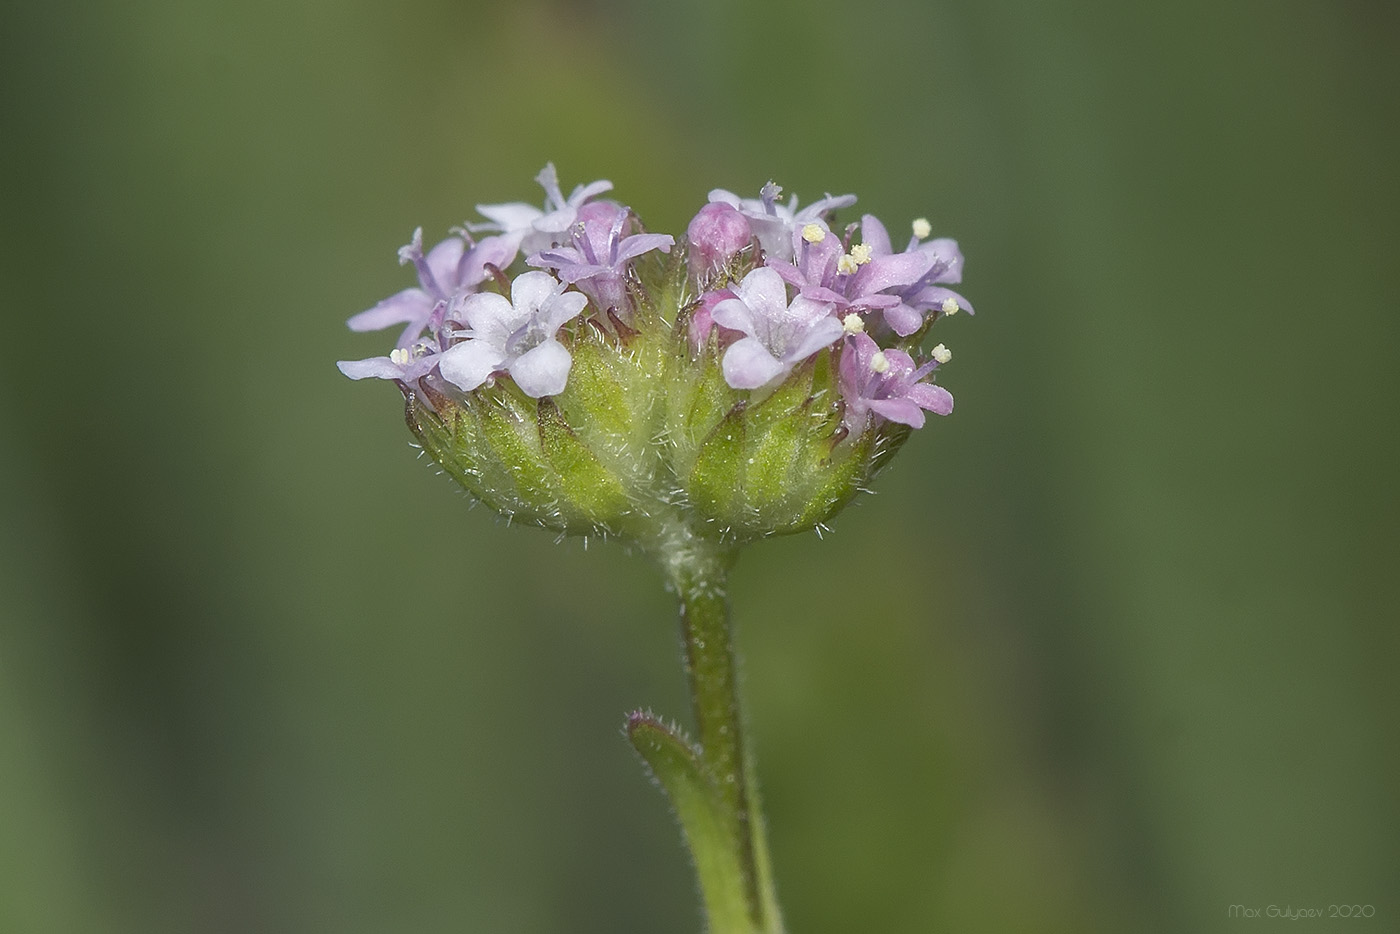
637 244
822 332
873 233
467 365
510 217
530 289
934 296
903 319
947 259
747 364
764 292
560 308
899 410
732 313
371 368
543 370
490 316
934 398
897 270
402 308
443 261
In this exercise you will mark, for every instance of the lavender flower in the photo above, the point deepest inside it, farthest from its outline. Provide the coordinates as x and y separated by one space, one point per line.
774 223
515 336
406 365
924 294
778 335
530 229
449 269
597 262
859 279
887 383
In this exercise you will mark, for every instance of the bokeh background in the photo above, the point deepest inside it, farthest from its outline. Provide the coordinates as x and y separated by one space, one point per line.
1113 648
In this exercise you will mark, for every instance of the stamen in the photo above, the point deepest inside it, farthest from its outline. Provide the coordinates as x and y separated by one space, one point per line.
400 356
950 306
813 233
847 265
879 363
862 253
853 323
942 354
922 228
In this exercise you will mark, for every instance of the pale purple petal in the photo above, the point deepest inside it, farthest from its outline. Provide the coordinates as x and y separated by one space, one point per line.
443 261
790 273
498 251
404 307
543 370
823 294
948 259
895 271
469 364
817 208
934 398
592 190
515 216
934 296
903 411
903 320
747 364
873 301
873 232
637 244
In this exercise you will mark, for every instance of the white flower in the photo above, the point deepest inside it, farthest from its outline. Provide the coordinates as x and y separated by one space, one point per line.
516 336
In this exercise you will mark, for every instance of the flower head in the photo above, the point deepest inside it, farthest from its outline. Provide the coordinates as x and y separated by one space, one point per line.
746 391
515 336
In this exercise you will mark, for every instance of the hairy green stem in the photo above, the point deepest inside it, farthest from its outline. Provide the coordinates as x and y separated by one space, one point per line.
699 571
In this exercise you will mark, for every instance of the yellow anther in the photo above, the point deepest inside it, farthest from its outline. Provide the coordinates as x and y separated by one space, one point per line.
853 323
879 363
950 306
400 356
862 253
813 233
942 354
922 228
847 265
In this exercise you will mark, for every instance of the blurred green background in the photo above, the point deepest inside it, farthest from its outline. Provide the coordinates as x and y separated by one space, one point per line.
1113 649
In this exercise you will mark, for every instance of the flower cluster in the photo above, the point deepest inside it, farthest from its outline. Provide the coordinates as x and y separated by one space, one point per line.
570 368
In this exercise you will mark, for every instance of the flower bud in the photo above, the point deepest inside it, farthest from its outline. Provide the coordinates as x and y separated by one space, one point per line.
716 234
